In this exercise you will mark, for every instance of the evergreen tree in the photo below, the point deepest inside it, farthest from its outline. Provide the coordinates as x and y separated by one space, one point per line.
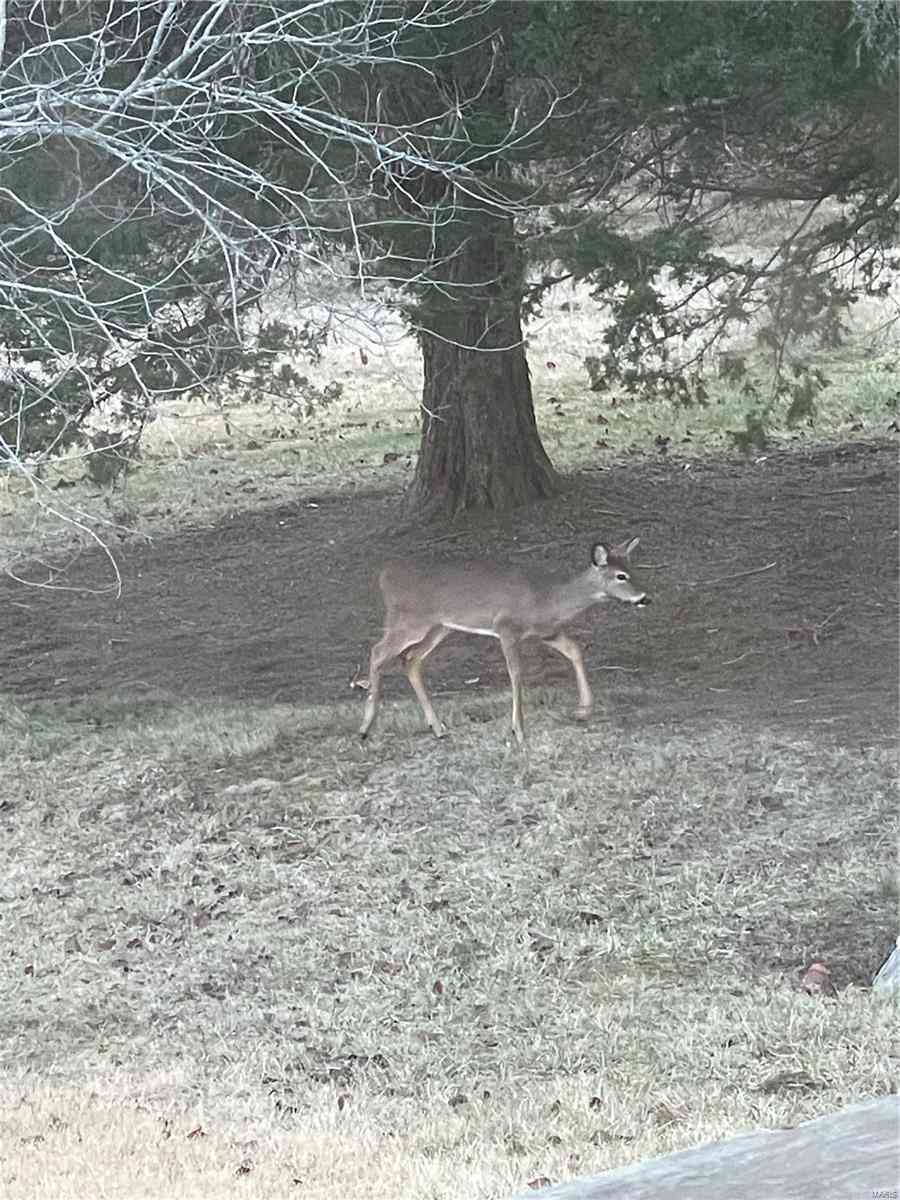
164 161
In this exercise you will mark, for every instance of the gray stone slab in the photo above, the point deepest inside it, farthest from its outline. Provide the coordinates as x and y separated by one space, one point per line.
850 1155
888 977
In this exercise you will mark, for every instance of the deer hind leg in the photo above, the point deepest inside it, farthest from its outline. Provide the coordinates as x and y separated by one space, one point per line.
413 664
391 646
569 649
510 646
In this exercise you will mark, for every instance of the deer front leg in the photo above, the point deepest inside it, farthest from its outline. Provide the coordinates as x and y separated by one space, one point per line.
569 649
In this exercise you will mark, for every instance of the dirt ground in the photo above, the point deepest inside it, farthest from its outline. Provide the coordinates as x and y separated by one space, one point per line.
774 586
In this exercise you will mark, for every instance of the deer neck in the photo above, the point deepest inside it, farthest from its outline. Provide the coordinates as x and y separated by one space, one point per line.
576 596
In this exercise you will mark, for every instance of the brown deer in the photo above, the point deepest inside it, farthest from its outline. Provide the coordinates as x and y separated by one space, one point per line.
423 604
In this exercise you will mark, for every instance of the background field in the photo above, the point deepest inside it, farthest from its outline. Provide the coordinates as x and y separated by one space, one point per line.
199 465
246 955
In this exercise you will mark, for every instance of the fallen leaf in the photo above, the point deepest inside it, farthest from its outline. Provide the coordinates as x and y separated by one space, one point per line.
590 918
790 1081
817 981
664 1115
609 1135
540 943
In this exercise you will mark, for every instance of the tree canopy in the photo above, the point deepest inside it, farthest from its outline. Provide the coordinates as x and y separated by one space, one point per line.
163 162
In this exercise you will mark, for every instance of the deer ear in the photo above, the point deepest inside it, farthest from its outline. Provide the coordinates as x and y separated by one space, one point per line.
599 555
627 548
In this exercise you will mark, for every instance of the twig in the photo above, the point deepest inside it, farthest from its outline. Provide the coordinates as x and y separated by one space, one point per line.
812 632
730 661
821 625
816 495
544 545
739 575
571 541
450 537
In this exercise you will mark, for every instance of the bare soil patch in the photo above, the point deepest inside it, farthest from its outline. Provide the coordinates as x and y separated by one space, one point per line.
774 587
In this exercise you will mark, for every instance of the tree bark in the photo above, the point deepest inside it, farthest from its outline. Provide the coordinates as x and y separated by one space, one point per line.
480 447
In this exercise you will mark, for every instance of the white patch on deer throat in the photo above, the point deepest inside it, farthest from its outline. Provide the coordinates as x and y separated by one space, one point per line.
472 629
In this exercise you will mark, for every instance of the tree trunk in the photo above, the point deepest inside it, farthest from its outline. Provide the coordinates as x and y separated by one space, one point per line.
480 447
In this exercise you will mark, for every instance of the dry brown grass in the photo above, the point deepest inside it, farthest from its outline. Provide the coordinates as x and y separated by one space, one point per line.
383 970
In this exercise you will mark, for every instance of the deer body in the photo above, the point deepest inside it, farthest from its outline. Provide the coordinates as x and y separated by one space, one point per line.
424 604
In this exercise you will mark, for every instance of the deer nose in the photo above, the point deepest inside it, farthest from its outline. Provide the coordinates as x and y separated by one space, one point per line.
643 601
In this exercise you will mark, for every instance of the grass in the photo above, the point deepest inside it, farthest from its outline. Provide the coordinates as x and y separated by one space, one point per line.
380 969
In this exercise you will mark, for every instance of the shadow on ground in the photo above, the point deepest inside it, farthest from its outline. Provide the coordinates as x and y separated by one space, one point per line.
774 588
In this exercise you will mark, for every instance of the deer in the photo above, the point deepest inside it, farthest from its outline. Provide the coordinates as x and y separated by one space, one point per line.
423 604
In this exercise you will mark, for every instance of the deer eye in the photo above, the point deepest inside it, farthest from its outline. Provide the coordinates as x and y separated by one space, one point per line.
622 576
